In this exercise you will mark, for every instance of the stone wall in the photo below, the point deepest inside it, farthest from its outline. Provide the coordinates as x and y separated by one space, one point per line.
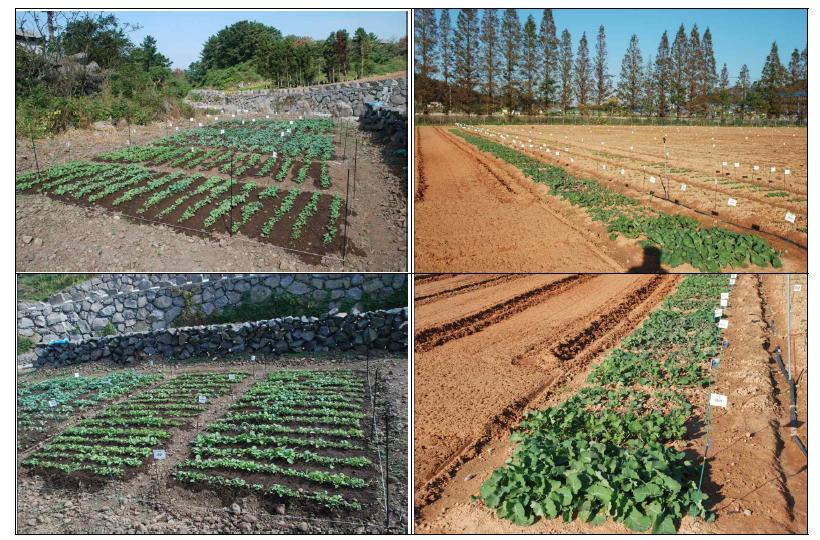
389 123
384 330
340 99
140 302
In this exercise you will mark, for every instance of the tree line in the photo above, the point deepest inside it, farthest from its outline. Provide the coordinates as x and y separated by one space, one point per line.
249 51
490 62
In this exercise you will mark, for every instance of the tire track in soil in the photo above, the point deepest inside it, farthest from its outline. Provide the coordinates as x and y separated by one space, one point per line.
430 278
631 312
478 157
437 336
422 182
497 280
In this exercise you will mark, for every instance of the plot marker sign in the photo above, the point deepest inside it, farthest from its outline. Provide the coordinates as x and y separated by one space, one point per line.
732 202
718 400
160 454
790 217
202 399
798 287
723 324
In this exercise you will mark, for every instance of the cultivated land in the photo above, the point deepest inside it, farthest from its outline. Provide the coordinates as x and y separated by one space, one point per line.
493 350
281 446
466 174
266 193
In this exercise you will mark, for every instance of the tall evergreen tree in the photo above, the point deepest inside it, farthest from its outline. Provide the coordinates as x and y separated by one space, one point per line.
694 68
426 34
724 78
679 60
663 75
742 88
631 80
804 64
465 45
490 60
445 47
771 80
530 63
795 68
649 90
710 77
603 80
510 55
549 57
565 67
583 72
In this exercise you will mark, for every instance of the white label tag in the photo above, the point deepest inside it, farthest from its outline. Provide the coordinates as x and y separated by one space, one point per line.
787 172
756 168
723 324
557 153
723 164
231 377
202 399
623 172
718 400
715 362
737 164
732 276
732 202
221 131
724 295
772 169
790 217
798 287
724 302
718 313
683 187
732 281
651 179
253 358
160 454
151 363
52 403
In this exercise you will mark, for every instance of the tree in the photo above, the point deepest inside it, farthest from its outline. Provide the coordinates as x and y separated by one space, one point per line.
549 57
511 52
694 69
530 62
804 64
363 47
603 84
565 65
679 61
742 88
632 79
426 34
236 43
771 80
465 45
100 38
151 60
663 75
490 61
649 93
710 78
724 78
795 67
445 44
583 72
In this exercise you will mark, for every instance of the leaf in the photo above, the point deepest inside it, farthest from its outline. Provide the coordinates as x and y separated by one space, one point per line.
645 491
664 524
600 492
637 521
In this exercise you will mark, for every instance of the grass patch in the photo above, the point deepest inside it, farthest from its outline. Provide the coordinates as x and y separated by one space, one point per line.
39 287
24 345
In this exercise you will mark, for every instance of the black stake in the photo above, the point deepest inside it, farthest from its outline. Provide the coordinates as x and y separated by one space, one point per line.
347 199
387 468
344 153
230 205
375 390
355 163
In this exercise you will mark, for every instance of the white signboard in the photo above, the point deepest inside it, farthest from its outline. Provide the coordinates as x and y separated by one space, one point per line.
772 169
790 217
737 164
253 358
160 454
718 400
732 276
724 295
683 187
557 153
651 179
732 281
221 131
623 172
724 302
52 403
715 363
723 324
787 172
201 399
798 287
723 164
231 377
76 374
732 202
756 168
718 313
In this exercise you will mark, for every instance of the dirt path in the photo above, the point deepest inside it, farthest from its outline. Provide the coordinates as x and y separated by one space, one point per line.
755 485
150 503
472 387
471 215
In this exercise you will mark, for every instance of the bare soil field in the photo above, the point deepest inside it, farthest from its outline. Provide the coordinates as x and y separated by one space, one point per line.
151 500
52 230
456 190
521 351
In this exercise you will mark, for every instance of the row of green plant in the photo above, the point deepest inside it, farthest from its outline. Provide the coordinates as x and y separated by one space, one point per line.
681 239
612 449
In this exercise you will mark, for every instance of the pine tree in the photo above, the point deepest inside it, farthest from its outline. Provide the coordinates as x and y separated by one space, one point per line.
649 94
794 68
530 63
549 59
694 68
510 54
724 78
490 61
710 78
663 75
771 80
445 45
742 88
465 47
679 59
426 32
565 66
603 84
632 79
804 64
583 72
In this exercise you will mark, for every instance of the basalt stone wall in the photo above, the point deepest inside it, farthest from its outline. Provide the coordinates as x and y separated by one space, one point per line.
389 123
340 99
119 303
384 330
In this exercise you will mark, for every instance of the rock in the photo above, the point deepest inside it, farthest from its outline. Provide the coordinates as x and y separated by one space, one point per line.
302 526
469 477
279 509
747 512
38 242
236 509
163 302
27 239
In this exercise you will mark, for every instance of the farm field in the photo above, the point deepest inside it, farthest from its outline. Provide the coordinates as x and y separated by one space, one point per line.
611 208
281 185
559 360
284 446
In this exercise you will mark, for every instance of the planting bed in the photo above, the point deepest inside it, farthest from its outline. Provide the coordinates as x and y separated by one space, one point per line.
609 432
119 440
296 437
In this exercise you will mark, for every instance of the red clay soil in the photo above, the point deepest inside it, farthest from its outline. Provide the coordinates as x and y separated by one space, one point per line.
756 478
472 215
491 354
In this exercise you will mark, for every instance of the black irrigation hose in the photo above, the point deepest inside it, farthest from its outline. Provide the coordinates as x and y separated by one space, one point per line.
792 398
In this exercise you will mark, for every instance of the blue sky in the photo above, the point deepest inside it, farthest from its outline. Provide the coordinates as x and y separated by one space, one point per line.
181 34
740 36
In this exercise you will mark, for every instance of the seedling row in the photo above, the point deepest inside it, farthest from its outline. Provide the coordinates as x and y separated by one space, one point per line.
610 451
286 217
122 438
295 436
